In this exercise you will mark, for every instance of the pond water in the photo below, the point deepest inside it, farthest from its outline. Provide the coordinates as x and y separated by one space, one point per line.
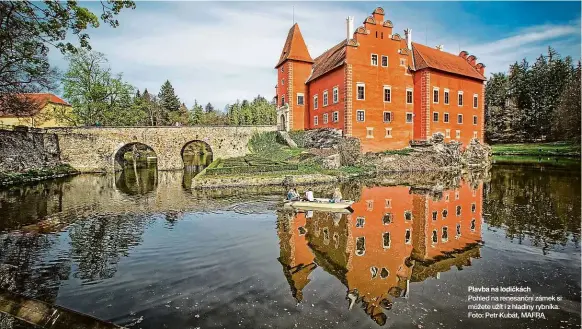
142 250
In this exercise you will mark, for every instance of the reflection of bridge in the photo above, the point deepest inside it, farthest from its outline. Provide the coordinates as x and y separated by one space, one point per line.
95 149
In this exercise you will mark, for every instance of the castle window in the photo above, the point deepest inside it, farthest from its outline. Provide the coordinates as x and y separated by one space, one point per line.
402 62
460 118
360 116
385 61
458 134
282 100
408 96
435 116
387 219
374 59
460 98
447 133
435 95
300 99
408 117
445 235
473 207
360 246
407 215
475 101
435 236
388 133
457 195
458 210
335 95
361 89
407 236
386 240
384 273
381 35
315 120
475 134
474 119
473 225
374 271
369 132
387 116
387 94
445 213
282 69
315 102
360 221
446 97
434 215
458 229
325 98
282 81
335 116
325 118
446 118
370 205
388 203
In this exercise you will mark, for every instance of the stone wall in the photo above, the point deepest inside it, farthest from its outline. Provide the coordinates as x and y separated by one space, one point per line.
26 149
95 149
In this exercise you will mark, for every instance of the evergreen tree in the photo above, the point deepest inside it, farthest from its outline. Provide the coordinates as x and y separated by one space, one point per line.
209 108
197 116
566 122
168 99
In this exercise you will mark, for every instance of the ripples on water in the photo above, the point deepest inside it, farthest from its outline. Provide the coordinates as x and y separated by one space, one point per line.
156 254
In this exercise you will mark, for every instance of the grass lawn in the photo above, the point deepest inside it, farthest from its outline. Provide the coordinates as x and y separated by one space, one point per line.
542 149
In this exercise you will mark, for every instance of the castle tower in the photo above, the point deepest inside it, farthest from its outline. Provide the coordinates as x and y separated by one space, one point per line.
293 69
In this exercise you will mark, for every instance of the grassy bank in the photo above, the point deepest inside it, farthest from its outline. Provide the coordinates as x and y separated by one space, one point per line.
33 175
538 149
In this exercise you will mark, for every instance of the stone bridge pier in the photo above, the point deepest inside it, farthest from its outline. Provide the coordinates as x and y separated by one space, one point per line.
98 149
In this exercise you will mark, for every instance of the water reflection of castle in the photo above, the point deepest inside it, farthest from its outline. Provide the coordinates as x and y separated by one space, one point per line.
393 237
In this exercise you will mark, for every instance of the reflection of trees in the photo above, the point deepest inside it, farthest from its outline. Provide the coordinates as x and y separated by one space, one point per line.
137 182
25 270
543 205
97 244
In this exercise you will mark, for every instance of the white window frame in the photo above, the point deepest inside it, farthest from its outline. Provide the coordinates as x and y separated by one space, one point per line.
447 97
384 94
302 95
384 116
358 85
475 97
409 241
364 116
372 59
335 116
315 120
460 118
446 116
325 98
411 117
475 135
457 134
388 133
437 116
335 95
402 62
462 98
445 228
389 240
382 61
368 130
315 102
325 118
282 99
411 98
447 133
475 120
387 203
438 95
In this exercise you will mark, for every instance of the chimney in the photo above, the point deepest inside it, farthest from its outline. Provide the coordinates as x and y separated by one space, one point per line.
350 27
408 35
440 47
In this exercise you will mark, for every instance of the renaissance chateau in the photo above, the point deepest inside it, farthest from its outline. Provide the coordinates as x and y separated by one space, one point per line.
382 88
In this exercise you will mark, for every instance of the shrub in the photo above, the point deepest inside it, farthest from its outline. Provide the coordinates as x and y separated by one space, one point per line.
299 137
249 169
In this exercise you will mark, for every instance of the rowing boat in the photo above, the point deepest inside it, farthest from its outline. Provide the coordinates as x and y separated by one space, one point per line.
319 204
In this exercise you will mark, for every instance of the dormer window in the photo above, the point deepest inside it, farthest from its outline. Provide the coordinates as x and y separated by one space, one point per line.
282 82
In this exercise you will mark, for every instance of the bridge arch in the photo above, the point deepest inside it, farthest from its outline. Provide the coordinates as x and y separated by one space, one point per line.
140 150
196 154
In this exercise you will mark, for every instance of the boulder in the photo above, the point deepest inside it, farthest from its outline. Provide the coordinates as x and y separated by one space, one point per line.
331 162
349 151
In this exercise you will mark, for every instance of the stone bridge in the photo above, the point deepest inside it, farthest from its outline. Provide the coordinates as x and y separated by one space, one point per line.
99 149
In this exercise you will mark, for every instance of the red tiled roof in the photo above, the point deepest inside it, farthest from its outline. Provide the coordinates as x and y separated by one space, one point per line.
40 99
294 47
329 60
427 57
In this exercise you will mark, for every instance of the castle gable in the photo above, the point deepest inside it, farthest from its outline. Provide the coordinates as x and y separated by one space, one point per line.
295 47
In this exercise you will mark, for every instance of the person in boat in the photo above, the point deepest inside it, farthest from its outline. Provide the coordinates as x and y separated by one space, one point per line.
292 195
337 195
309 195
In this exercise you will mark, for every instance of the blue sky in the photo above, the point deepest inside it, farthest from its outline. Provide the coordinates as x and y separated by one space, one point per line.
219 52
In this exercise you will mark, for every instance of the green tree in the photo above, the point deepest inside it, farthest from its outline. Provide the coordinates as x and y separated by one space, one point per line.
28 29
567 119
209 108
95 94
168 99
197 116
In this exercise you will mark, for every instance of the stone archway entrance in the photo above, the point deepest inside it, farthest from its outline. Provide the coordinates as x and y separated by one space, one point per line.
282 123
